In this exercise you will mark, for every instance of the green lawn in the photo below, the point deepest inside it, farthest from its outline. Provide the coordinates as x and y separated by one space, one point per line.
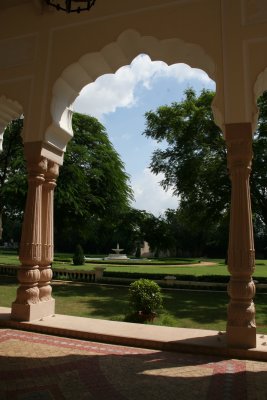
188 309
9 259
218 269
164 268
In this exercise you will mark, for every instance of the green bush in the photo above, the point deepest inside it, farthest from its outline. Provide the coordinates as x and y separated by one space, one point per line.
138 251
145 296
78 257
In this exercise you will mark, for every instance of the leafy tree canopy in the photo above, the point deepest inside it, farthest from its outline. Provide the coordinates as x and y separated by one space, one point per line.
92 180
92 185
259 171
194 163
13 180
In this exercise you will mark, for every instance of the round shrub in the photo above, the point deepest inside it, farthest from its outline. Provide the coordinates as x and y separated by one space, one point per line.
145 296
138 251
78 257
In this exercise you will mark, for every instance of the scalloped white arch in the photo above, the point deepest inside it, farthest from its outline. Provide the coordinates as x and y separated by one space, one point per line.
113 56
9 110
260 86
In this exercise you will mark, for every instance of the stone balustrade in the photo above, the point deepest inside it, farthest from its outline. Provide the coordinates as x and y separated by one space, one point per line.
94 275
9 270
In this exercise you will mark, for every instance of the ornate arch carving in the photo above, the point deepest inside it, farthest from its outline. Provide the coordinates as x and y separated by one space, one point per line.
9 110
259 87
113 56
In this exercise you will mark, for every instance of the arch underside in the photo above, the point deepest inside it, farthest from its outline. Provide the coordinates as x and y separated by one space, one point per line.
113 56
9 110
259 87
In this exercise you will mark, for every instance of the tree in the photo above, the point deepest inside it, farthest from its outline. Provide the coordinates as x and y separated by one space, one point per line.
194 161
13 181
130 230
78 257
156 234
259 171
92 188
194 164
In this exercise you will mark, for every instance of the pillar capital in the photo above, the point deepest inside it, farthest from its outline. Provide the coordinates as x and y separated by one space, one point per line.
52 169
239 145
37 166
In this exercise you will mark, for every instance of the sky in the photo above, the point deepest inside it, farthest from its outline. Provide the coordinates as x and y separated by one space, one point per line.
120 102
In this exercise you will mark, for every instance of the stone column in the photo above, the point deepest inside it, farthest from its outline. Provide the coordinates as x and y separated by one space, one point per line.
241 327
49 185
26 307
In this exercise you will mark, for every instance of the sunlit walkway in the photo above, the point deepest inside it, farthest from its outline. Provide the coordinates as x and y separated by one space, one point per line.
156 337
38 366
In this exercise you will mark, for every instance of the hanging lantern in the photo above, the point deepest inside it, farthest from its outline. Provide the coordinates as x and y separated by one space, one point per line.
71 5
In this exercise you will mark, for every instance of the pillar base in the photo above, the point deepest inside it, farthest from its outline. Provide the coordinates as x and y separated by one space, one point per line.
241 337
31 312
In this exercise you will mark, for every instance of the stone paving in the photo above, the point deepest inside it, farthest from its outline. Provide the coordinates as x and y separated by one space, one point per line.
44 367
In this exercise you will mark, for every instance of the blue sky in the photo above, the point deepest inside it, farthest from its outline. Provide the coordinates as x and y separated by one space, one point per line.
120 101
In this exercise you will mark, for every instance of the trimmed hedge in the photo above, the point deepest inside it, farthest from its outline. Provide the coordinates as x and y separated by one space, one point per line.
78 257
145 296
192 278
63 260
137 275
140 261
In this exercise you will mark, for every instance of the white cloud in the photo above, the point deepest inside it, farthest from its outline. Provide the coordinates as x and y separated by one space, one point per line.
150 196
112 91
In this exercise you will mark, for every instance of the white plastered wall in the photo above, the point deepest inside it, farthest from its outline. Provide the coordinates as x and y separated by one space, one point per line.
62 53
46 58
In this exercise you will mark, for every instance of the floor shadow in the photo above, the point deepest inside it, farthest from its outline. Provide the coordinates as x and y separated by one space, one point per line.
35 366
110 302
5 316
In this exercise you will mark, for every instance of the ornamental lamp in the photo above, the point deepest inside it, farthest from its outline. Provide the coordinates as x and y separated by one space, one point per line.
71 5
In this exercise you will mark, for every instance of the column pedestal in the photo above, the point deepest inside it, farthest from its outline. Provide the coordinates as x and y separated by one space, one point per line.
31 312
241 337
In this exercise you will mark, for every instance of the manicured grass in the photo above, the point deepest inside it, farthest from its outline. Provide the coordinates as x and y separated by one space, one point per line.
145 261
218 269
9 259
172 269
7 291
65 259
188 309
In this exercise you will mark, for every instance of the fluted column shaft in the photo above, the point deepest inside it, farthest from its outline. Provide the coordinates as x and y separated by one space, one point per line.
47 231
241 327
34 299
30 245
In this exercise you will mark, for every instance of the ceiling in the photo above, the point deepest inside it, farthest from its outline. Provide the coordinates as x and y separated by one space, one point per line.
4 4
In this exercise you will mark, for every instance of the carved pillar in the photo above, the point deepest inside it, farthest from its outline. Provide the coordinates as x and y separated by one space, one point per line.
241 327
49 185
47 231
26 305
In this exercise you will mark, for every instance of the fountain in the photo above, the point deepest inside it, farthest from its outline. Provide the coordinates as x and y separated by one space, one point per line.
116 256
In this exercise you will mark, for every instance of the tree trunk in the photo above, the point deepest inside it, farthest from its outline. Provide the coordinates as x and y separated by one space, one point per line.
1 225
